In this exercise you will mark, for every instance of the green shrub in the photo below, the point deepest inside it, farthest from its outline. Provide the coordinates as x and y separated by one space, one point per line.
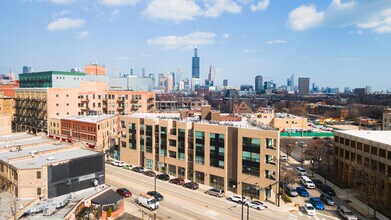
109 211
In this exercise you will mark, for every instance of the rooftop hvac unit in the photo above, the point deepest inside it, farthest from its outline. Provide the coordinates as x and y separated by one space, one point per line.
50 158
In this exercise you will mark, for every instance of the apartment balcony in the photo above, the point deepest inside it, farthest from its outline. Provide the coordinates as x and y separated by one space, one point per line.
120 108
84 109
85 100
104 100
120 100
271 147
134 100
134 108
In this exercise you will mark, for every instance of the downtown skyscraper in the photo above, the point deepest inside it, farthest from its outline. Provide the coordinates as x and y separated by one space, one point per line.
195 73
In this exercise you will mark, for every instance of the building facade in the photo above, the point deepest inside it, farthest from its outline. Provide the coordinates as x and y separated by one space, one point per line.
357 150
99 132
7 105
34 106
258 84
195 65
226 157
386 125
51 79
304 86
37 167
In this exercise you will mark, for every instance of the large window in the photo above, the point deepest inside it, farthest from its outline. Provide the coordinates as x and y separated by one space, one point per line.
216 182
172 170
181 144
148 143
251 156
163 141
217 150
199 177
200 147
132 136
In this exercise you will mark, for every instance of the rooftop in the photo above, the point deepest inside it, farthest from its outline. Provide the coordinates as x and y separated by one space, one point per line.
89 118
44 159
383 137
7 155
244 123
28 140
52 73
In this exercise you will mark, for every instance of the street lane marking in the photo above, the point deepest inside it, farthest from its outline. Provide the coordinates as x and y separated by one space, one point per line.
328 216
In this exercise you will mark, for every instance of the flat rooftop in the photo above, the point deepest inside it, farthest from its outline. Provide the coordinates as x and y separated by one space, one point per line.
383 137
89 118
244 123
41 160
7 155
28 140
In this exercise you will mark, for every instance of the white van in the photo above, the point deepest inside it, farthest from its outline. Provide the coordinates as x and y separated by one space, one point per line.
307 182
147 201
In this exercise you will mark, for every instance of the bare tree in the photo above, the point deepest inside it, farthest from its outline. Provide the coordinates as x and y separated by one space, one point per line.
371 185
288 176
289 145
320 152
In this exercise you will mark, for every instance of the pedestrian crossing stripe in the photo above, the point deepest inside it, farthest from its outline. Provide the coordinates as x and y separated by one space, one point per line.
300 213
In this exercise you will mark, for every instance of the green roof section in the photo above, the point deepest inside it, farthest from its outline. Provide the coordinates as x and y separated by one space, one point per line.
52 73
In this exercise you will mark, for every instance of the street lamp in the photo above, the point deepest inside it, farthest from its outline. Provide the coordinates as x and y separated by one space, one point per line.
154 213
312 163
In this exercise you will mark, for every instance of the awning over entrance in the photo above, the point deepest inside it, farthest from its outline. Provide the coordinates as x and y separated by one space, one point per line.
109 197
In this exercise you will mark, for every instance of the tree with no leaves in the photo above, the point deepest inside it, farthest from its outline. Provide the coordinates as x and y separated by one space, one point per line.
289 145
371 186
321 152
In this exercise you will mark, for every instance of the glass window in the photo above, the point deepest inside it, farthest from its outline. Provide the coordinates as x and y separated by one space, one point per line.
200 147
216 182
373 150
38 174
217 150
251 150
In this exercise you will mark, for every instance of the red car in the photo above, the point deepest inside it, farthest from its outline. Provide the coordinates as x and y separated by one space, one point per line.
177 181
124 192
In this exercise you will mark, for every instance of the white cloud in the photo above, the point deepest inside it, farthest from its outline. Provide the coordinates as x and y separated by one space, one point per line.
146 55
63 2
225 36
251 51
172 10
214 8
276 41
260 6
65 23
82 35
118 2
122 58
364 14
380 23
304 17
64 12
183 42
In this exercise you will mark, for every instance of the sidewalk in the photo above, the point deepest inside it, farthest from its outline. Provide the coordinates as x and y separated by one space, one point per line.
356 204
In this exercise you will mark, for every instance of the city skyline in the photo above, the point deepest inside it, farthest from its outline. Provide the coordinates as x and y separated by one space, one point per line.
335 43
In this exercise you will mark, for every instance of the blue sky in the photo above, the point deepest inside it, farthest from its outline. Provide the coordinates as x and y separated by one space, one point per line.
336 43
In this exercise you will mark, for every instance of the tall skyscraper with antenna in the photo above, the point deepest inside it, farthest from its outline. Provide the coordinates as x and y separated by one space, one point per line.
195 73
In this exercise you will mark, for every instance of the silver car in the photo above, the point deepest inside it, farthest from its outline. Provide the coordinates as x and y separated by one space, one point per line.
215 192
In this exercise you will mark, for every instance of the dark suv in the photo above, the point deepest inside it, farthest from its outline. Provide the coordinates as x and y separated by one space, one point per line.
163 176
191 185
138 169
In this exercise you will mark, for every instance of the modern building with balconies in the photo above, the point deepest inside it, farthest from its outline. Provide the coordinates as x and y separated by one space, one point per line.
230 155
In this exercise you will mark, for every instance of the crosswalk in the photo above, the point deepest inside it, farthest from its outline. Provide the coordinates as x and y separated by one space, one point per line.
300 215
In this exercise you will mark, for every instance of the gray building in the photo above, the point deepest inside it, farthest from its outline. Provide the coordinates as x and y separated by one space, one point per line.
304 85
132 83
51 79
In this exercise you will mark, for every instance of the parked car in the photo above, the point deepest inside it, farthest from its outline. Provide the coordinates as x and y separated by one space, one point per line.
315 201
191 185
301 171
302 191
328 200
163 176
127 167
309 209
345 213
117 163
157 195
178 181
138 169
237 198
149 173
215 192
327 189
147 201
284 158
307 182
124 192
256 205
317 183
291 191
